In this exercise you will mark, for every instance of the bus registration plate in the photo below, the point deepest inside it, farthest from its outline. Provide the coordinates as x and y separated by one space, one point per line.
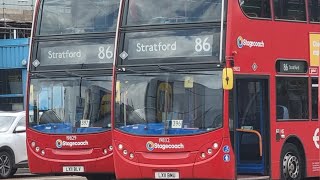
167 175
73 169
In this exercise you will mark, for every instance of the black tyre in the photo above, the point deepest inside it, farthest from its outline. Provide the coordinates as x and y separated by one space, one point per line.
292 166
6 165
14 170
100 177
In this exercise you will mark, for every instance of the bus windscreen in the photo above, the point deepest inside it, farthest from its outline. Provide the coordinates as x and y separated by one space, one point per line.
70 105
77 16
169 103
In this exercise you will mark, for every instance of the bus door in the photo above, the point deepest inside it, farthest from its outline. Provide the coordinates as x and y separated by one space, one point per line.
251 124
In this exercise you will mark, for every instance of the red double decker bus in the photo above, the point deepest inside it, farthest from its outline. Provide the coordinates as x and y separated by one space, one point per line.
215 89
69 88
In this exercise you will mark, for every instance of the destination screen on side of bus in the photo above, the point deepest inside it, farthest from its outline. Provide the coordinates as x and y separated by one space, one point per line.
193 44
70 105
168 103
150 12
58 17
87 51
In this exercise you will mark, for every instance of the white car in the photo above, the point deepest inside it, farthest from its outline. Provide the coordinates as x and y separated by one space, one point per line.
13 153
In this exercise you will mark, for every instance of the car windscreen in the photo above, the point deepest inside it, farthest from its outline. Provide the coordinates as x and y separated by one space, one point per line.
6 122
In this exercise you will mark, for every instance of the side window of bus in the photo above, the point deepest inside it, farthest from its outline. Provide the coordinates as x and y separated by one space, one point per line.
292 98
314 10
256 8
314 98
290 9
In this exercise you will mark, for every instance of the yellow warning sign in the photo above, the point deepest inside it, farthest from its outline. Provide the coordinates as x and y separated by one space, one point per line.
314 41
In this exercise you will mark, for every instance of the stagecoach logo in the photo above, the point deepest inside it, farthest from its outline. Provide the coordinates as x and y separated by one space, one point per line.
151 146
241 42
316 138
60 143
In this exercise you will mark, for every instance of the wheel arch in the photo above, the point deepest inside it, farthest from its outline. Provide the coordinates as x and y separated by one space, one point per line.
295 140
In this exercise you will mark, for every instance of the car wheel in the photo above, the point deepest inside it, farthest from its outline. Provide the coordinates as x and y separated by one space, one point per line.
6 165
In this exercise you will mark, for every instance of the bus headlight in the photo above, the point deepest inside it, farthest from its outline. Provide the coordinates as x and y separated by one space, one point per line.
131 155
215 146
120 147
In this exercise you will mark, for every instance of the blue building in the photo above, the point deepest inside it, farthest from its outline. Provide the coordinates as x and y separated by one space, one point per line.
13 73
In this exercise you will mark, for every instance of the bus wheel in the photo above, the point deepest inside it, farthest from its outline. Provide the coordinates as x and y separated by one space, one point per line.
6 165
291 163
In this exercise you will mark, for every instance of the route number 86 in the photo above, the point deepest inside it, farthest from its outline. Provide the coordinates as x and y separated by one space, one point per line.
202 45
105 52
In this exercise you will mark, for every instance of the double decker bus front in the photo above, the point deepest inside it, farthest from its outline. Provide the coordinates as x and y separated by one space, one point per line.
69 88
169 114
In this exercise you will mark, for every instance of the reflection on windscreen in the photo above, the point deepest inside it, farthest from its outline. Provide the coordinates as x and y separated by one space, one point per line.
158 103
6 122
172 11
70 105
77 16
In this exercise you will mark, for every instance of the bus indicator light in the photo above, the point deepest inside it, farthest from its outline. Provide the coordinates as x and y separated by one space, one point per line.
105 151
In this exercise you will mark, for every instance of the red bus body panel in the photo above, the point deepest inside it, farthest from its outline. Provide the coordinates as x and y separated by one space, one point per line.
282 40
187 161
91 157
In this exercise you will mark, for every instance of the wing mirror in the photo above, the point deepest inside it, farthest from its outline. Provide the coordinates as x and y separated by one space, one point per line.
20 129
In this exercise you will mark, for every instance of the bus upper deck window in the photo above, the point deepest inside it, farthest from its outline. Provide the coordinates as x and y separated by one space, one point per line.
314 10
256 8
290 10
149 12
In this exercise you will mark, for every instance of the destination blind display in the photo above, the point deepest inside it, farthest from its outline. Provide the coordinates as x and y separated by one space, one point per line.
78 54
170 46
292 66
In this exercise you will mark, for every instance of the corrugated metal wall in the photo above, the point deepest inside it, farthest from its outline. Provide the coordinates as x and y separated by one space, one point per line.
13 52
